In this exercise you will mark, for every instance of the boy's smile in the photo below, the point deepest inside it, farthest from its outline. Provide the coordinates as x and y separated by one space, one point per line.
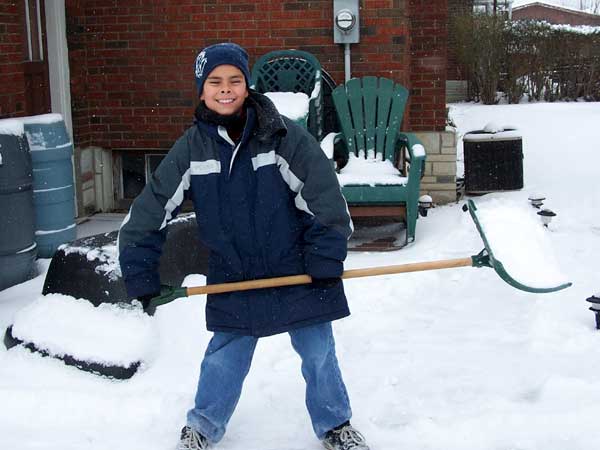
225 90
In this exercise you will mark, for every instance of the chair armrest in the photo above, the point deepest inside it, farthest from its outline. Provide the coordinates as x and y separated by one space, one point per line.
417 155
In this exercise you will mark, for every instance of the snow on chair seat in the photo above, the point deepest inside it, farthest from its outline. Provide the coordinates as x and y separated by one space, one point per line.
370 172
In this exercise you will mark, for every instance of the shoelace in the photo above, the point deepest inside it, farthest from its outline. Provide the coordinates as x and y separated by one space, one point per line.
351 438
193 441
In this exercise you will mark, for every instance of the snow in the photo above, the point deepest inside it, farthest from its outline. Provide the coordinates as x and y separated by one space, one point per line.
293 105
107 255
492 127
327 144
580 29
112 335
12 127
418 150
369 171
42 119
450 359
506 226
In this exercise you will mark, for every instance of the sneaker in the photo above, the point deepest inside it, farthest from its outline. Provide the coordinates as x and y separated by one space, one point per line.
192 440
345 437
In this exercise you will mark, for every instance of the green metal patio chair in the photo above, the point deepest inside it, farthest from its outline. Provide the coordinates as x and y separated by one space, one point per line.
370 112
292 71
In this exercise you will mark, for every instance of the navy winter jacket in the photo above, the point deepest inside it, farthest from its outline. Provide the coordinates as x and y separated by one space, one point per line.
270 206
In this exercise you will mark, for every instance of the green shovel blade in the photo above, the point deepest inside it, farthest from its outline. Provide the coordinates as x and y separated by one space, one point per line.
491 261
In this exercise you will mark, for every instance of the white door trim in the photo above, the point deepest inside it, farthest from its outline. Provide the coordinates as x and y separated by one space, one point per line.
58 71
58 61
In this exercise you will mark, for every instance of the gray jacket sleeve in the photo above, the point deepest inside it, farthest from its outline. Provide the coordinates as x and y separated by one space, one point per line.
144 229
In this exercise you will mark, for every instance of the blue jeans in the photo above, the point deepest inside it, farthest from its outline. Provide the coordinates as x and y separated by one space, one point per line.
227 362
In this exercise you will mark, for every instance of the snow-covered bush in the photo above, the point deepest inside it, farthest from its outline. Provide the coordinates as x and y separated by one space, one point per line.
542 60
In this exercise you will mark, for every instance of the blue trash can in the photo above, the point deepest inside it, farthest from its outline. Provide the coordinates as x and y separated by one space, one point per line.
53 187
17 244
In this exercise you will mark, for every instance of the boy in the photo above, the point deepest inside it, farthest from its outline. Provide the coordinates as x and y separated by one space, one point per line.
267 204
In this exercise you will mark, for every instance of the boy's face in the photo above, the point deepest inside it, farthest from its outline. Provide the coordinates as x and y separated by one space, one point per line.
225 90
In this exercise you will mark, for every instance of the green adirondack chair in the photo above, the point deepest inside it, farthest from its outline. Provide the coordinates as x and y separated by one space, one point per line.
370 112
292 71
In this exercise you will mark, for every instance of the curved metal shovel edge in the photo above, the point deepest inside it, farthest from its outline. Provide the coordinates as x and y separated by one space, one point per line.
491 261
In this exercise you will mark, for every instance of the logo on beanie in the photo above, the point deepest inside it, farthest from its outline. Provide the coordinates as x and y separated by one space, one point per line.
200 63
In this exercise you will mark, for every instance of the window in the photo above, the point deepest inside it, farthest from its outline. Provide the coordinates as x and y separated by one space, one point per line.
132 169
133 175
500 7
136 170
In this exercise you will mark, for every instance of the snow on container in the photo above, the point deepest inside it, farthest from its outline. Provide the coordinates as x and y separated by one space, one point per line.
493 160
17 245
53 187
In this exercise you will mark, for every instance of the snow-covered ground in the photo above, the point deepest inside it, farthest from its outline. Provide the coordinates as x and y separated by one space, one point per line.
451 359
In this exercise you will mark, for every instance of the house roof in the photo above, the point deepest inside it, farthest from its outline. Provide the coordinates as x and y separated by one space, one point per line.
557 8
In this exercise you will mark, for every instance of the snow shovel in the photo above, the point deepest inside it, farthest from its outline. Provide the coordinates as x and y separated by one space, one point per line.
485 258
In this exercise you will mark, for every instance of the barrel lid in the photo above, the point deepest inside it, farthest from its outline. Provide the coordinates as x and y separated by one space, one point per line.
42 119
11 127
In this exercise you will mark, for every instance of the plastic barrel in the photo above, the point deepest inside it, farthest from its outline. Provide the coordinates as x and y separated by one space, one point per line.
17 245
53 191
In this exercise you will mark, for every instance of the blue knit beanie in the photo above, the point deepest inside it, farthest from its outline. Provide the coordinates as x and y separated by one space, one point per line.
217 55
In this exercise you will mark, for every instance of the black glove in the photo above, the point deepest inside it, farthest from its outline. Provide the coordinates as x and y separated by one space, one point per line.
324 283
145 301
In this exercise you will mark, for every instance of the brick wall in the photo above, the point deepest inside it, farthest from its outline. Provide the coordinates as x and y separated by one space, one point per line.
555 14
428 49
12 84
131 62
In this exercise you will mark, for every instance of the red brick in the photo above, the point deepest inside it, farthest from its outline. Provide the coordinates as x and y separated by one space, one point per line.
406 41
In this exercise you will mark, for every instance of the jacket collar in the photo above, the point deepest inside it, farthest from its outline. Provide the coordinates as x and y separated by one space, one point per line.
269 121
262 116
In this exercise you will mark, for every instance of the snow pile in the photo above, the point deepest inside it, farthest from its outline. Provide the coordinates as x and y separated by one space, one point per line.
508 226
293 105
109 334
418 150
370 171
42 119
11 127
107 256
327 144
579 29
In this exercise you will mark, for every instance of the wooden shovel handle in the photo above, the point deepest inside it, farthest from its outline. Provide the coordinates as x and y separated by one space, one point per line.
306 279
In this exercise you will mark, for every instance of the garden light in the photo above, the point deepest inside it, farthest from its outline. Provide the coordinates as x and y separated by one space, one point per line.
546 215
595 307
425 204
536 200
